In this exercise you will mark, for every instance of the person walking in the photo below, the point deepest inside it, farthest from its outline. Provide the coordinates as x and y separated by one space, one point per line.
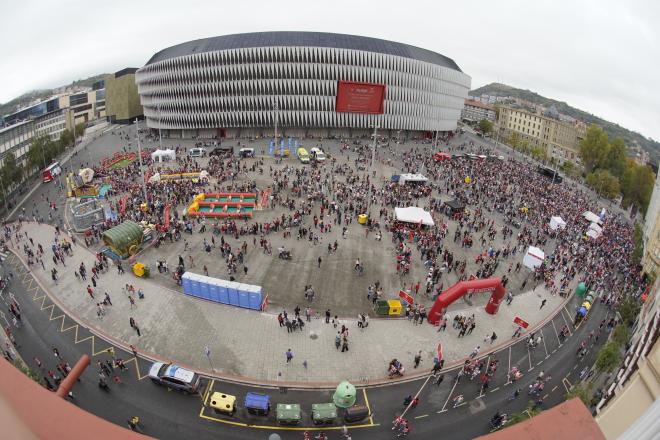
418 359
319 261
289 356
327 316
344 344
90 292
475 352
509 298
515 394
338 340
543 303
493 337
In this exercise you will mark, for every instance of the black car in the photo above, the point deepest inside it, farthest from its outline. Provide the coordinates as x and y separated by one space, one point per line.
227 150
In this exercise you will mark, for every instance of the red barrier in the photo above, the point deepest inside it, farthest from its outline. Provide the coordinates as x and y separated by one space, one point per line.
490 285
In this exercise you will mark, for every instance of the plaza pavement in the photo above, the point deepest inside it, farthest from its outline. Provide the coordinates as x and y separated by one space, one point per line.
248 345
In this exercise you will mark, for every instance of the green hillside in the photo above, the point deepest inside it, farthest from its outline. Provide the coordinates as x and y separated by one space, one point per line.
613 130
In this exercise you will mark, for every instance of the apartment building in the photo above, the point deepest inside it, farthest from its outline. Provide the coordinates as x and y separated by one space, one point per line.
475 111
651 258
561 139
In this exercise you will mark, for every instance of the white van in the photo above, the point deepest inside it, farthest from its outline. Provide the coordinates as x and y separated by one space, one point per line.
197 152
317 154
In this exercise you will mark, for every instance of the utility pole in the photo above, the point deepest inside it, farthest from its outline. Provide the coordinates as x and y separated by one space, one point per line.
144 185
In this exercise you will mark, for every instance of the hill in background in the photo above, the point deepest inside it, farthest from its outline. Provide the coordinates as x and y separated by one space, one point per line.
26 98
613 130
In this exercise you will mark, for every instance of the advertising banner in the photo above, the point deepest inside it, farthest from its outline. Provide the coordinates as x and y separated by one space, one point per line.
354 97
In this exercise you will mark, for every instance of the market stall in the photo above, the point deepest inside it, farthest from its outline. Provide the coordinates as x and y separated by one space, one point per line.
413 214
533 257
557 223
412 178
163 155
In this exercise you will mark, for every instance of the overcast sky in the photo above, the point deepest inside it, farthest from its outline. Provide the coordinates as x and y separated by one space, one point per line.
601 56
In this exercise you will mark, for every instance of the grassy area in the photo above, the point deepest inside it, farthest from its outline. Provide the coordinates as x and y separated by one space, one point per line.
121 164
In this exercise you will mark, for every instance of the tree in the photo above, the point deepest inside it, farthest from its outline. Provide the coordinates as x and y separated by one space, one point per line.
79 129
637 186
11 171
583 391
569 168
513 140
36 153
615 162
604 183
527 414
629 309
66 138
608 357
594 148
485 126
621 335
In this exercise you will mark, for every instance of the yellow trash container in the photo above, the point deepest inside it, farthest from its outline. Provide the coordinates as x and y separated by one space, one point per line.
395 306
223 403
139 269
362 219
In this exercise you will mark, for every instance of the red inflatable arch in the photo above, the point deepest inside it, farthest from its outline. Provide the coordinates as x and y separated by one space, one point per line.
491 285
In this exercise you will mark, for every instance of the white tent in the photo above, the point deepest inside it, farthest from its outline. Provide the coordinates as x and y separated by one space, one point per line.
596 227
557 222
590 216
163 155
155 178
533 257
86 174
403 178
413 215
593 233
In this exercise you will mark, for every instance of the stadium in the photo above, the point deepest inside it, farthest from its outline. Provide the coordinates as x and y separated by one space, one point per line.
308 83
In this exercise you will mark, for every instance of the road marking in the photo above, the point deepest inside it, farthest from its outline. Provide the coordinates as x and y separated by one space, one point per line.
416 395
209 387
529 355
556 332
495 389
545 397
531 369
461 404
544 346
422 416
539 363
481 392
564 318
366 402
565 381
556 386
555 350
441 411
449 396
508 371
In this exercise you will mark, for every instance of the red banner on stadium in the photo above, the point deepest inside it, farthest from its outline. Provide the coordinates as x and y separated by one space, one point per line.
355 97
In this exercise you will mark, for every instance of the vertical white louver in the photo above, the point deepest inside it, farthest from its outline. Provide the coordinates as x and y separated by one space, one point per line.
237 87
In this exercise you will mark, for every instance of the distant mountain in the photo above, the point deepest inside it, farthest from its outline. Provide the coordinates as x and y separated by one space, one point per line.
26 98
613 130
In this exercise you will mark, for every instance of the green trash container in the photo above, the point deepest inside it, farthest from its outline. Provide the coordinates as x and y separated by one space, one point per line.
324 413
288 413
382 307
581 289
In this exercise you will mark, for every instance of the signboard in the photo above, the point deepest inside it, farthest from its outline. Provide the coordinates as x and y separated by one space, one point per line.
355 97
521 322
407 298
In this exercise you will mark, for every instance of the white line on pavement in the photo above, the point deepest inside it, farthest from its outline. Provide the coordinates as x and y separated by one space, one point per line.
544 346
556 333
449 396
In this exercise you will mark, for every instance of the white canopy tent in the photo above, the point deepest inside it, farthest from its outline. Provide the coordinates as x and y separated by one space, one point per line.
593 233
413 214
557 223
403 178
163 155
596 227
533 257
590 216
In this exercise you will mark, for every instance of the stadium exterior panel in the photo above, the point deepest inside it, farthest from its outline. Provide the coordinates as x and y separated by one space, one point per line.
309 83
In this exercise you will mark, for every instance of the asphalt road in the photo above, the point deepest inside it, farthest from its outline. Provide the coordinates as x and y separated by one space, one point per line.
171 415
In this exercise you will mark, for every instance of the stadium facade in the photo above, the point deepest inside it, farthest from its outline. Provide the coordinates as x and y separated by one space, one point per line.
309 83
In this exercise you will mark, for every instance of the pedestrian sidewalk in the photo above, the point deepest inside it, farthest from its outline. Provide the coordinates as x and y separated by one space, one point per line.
252 345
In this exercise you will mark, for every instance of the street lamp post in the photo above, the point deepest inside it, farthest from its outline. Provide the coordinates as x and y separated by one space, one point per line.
373 154
144 185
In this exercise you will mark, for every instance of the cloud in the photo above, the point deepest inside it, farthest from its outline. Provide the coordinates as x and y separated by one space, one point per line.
600 56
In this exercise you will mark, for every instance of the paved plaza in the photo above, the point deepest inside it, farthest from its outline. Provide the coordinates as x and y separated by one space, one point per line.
251 344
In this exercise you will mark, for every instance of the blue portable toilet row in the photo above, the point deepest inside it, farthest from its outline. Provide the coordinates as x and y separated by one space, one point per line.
222 291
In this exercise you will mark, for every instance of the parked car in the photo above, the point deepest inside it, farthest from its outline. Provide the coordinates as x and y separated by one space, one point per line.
197 152
246 152
317 154
303 155
226 150
173 376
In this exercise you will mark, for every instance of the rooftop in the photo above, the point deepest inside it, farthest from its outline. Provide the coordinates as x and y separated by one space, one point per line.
303 39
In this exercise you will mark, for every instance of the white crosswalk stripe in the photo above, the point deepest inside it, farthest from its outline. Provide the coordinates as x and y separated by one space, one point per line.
3 256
